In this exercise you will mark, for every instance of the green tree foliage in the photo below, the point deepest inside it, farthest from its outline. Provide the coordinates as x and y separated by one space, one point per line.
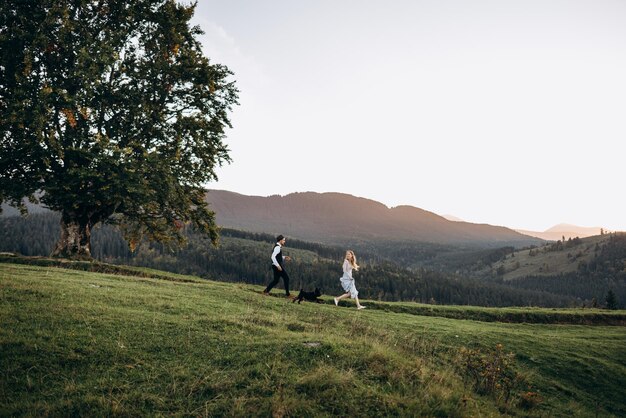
562 245
110 113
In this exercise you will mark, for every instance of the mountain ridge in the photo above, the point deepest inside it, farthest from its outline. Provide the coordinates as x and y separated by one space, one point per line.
333 217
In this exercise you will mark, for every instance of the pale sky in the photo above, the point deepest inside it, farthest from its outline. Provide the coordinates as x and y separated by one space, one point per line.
503 112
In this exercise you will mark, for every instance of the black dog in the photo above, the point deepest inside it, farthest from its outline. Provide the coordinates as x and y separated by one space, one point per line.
310 296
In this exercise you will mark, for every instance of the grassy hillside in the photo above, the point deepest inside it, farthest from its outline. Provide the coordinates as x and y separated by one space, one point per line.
83 343
547 261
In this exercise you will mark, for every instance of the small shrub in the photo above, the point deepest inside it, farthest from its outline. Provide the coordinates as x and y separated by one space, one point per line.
491 373
529 400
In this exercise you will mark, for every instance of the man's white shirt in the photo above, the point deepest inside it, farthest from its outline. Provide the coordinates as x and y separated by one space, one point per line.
277 249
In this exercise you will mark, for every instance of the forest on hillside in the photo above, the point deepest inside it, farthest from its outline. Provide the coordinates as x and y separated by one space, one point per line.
244 257
606 271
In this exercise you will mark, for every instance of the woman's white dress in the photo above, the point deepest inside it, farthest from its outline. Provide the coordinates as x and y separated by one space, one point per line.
347 282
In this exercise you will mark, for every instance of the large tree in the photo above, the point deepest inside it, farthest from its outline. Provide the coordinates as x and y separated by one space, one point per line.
110 112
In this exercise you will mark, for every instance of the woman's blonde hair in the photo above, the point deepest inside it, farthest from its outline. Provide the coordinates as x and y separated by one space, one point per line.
355 266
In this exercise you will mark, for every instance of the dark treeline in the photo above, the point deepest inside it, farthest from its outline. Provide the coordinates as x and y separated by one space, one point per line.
463 260
404 253
468 260
244 257
33 235
428 286
592 289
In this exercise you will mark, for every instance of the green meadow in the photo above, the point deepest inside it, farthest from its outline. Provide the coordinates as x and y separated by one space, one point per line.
79 343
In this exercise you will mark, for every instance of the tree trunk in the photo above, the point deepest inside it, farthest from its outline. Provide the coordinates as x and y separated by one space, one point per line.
75 239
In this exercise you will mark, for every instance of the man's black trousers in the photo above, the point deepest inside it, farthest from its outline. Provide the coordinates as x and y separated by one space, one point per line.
277 275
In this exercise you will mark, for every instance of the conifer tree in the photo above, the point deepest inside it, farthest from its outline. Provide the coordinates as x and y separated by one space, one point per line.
611 300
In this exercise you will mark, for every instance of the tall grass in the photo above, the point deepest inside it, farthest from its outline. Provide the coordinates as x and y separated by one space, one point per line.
84 343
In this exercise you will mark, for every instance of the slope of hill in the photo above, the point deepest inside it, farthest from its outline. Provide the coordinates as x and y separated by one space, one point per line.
340 218
553 258
118 345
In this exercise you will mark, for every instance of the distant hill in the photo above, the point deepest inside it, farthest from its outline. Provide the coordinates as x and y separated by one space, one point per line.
558 258
559 231
341 218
